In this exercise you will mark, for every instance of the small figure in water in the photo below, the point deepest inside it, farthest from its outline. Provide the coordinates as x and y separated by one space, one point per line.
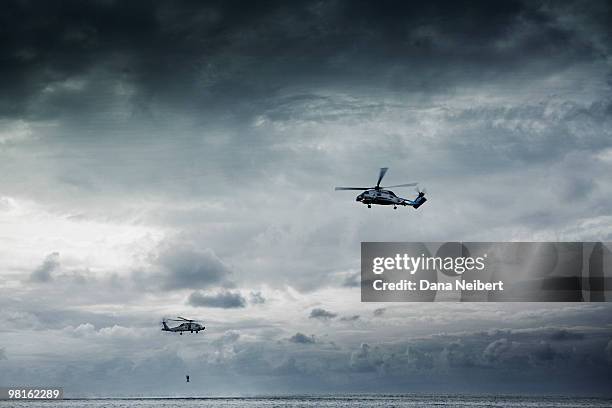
187 378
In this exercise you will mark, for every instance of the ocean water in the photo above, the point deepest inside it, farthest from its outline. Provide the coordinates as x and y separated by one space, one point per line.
335 402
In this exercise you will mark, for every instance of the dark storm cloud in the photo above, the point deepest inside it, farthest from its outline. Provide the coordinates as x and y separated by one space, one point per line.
225 300
321 314
491 361
564 334
44 271
457 355
301 338
238 82
495 349
420 359
524 348
242 87
477 353
229 52
545 352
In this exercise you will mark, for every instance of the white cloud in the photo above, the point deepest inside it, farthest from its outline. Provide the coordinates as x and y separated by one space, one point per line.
14 131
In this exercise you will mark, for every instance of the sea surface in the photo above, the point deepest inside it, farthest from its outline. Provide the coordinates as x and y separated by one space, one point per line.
335 402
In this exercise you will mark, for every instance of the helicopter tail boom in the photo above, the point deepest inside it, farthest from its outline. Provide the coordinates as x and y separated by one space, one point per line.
417 202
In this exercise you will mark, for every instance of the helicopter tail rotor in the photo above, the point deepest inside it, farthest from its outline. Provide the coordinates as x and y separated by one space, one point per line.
420 200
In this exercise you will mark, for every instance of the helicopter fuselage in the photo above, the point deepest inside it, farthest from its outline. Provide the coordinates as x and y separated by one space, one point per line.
380 197
184 327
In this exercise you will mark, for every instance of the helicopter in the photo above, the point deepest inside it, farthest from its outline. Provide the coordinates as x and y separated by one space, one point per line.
186 325
382 196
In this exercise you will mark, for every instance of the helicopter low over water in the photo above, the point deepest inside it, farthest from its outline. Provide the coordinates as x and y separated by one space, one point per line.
379 195
187 325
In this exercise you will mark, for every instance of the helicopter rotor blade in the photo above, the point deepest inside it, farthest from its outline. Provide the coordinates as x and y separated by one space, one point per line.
402 185
182 318
352 188
382 173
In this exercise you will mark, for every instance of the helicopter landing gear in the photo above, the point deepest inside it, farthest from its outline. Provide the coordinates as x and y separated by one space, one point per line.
181 333
395 207
369 206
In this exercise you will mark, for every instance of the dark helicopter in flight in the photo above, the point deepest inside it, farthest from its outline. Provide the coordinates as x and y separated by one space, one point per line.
187 325
382 196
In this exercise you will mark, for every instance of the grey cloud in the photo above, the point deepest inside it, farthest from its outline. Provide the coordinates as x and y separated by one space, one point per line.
257 298
187 267
3 354
301 338
379 312
296 368
476 352
350 318
457 355
564 334
608 351
545 352
44 272
392 363
352 280
420 359
545 333
557 136
321 314
225 300
496 349
229 337
288 367
366 358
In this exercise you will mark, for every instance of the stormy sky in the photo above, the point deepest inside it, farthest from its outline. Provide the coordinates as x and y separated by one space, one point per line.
178 158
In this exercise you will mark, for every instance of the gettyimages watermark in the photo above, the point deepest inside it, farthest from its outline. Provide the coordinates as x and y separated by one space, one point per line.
486 271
